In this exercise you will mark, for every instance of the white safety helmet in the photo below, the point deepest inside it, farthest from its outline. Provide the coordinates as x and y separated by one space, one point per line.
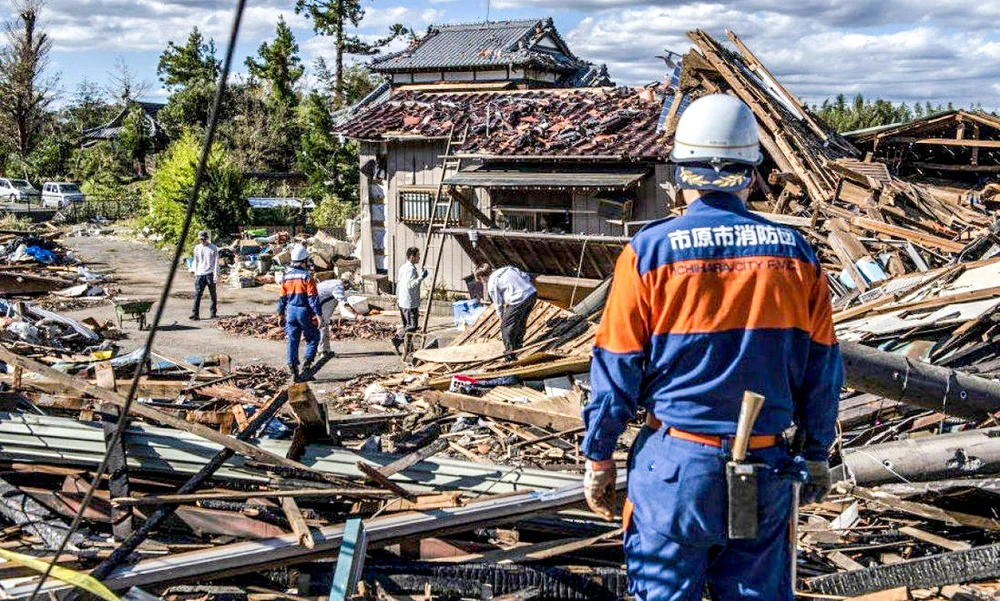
717 129
299 253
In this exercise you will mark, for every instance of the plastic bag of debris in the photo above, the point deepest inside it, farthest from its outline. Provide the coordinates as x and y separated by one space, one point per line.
25 331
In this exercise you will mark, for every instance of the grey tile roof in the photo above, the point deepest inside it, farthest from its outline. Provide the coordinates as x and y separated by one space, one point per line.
489 44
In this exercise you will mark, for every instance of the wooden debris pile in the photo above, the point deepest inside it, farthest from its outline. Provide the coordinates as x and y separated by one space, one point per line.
34 330
268 326
866 224
259 493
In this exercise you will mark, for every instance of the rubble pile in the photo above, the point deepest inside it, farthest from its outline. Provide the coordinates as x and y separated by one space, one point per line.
268 326
34 330
258 258
34 263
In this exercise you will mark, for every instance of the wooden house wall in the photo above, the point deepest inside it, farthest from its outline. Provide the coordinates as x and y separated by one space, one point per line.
650 203
367 152
418 164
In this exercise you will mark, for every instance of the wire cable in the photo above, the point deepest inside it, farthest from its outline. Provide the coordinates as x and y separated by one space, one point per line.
119 430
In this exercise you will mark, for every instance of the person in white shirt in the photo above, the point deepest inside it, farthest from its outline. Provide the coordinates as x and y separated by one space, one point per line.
206 274
408 283
331 296
513 296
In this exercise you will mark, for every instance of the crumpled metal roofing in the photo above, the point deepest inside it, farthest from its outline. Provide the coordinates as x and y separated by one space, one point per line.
490 44
620 122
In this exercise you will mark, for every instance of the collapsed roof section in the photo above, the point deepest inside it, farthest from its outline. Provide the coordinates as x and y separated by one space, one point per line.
799 144
616 123
960 145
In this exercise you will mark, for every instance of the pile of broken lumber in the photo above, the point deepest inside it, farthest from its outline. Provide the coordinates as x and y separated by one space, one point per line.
268 326
867 225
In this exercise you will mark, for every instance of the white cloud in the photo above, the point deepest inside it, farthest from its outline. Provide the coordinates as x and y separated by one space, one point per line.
808 47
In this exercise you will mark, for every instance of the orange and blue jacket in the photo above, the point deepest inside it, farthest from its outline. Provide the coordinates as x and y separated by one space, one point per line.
298 292
704 307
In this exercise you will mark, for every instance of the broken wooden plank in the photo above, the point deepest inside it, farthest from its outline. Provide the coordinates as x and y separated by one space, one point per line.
534 414
236 495
945 543
298 523
305 406
952 518
381 475
118 482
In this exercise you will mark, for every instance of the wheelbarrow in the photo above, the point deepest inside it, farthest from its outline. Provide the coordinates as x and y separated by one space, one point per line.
133 310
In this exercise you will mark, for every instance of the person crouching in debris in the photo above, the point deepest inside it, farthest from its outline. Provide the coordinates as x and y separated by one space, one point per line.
702 308
408 283
513 295
299 308
206 274
332 295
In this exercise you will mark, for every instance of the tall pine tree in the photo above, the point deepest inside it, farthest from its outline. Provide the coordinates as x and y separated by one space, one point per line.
335 18
279 65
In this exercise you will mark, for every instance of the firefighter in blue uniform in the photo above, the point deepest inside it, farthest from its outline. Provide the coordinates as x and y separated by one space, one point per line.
703 307
299 307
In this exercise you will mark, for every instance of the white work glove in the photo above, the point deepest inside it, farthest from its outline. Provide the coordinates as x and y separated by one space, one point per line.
599 487
819 483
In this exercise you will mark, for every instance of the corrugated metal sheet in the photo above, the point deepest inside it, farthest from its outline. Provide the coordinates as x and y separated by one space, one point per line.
56 440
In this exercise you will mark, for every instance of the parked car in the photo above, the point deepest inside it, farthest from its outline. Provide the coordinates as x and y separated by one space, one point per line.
60 194
17 190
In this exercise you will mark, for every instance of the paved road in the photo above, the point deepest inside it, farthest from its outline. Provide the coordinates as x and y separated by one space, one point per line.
140 271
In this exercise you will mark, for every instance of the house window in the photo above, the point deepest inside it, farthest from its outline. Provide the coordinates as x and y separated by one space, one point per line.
547 211
415 207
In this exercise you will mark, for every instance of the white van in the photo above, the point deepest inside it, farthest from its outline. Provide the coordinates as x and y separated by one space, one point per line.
60 194
17 190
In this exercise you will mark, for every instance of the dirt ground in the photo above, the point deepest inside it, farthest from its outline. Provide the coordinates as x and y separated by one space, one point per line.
140 270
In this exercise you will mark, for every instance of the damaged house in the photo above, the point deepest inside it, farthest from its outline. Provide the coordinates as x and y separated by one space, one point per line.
558 167
962 146
491 55
488 123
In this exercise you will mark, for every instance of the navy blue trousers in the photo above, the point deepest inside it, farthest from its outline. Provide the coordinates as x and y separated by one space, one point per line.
298 325
676 542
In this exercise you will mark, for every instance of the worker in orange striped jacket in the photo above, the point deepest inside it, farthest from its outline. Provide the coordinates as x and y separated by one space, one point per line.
703 307
299 308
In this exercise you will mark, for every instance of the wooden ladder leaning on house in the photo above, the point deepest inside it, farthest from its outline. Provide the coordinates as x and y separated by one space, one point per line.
440 219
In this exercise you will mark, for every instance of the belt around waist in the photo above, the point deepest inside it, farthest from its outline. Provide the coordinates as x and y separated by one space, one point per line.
757 441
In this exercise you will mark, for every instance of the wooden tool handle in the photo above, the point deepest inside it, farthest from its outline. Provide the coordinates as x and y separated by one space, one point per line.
749 410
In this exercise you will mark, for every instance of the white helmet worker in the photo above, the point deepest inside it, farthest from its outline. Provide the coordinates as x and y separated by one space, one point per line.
717 129
299 253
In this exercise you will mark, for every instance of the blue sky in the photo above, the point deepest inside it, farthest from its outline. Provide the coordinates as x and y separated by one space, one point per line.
905 50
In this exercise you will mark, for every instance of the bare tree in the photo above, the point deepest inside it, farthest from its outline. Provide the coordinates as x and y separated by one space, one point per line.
124 85
25 92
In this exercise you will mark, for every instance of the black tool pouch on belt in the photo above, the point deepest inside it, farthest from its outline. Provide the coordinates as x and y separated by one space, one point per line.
741 499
